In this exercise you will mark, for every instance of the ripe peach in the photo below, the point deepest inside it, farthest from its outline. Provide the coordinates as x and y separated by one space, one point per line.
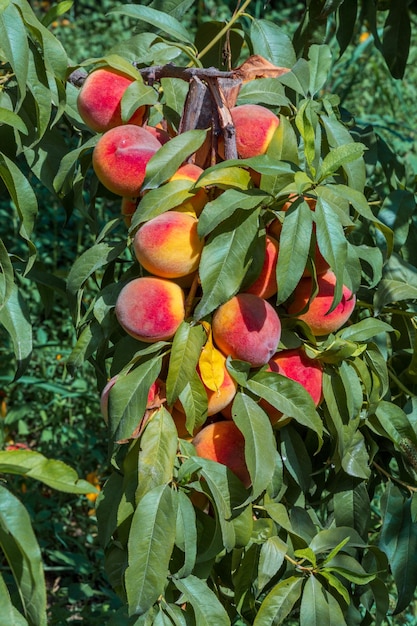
150 309
100 97
248 328
223 442
161 135
223 396
120 158
293 197
254 126
265 285
127 208
275 227
168 245
194 205
321 322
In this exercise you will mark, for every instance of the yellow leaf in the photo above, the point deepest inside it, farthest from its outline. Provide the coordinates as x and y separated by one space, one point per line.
211 366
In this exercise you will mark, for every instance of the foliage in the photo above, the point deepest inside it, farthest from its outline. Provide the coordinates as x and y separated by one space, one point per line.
328 526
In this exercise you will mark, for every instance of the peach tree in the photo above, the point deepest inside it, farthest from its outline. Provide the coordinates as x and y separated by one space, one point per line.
248 307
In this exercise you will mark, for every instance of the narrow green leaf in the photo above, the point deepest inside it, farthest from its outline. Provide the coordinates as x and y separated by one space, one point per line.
260 445
287 396
186 534
150 545
318 607
12 119
91 260
294 245
14 316
320 60
21 193
296 458
158 452
128 398
271 558
338 157
10 614
269 41
338 135
263 91
279 602
365 329
223 207
55 474
14 42
158 19
396 38
136 95
193 398
163 198
225 260
185 352
22 552
207 608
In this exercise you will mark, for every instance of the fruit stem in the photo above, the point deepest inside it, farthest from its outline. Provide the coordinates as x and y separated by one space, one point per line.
224 30
191 295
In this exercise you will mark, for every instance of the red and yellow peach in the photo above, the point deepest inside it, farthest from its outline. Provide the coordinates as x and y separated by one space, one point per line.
150 309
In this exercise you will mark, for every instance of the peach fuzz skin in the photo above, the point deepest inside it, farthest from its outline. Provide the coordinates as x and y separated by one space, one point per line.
168 245
295 364
194 205
100 97
254 126
223 442
150 309
247 328
265 286
321 322
120 158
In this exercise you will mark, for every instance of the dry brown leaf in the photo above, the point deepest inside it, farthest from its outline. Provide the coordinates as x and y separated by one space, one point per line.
258 67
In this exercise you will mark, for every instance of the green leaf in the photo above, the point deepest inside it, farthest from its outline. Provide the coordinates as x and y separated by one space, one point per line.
10 614
326 540
365 329
348 567
395 423
294 245
320 60
18 542
306 122
55 474
171 155
223 207
338 157
299 78
193 398
14 316
185 352
22 195
390 291
263 91
225 260
287 396
158 19
338 135
227 492
14 43
260 446
158 452
225 177
296 458
352 506
136 95
272 43
354 453
150 545
13 120
271 558
396 38
279 602
318 607
186 534
128 398
207 608
163 198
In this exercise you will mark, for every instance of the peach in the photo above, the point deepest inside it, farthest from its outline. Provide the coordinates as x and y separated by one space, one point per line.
293 197
168 245
161 135
150 308
321 265
254 126
127 208
265 285
100 97
317 317
120 158
223 442
194 205
248 328
295 364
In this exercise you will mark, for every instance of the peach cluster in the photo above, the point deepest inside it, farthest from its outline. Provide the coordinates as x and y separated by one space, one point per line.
168 251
